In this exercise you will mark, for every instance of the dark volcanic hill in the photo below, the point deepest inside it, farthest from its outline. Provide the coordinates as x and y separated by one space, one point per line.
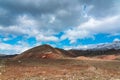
45 52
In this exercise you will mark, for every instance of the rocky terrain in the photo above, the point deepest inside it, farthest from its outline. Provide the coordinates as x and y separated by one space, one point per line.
47 63
60 69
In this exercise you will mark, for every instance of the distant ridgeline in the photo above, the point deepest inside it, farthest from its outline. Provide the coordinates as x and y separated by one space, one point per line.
7 56
48 52
95 52
100 49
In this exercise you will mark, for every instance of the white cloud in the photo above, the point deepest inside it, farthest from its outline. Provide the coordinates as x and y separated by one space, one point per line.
12 49
26 21
116 39
41 37
28 26
75 34
52 19
44 19
108 25
105 25
82 47
6 39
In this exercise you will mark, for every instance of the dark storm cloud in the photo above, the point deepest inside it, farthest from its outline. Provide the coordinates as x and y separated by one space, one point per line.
34 8
66 13
54 15
101 8
29 6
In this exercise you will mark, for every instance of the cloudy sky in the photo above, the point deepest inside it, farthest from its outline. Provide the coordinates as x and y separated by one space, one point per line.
60 23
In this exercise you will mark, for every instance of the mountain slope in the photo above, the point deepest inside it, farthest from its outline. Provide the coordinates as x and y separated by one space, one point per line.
48 52
45 52
106 46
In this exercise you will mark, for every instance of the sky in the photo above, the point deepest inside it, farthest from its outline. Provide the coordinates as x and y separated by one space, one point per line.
61 23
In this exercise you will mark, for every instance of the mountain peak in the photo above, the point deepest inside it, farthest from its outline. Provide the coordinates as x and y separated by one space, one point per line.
43 51
45 45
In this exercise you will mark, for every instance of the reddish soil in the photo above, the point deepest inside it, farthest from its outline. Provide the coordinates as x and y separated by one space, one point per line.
64 69
99 58
107 57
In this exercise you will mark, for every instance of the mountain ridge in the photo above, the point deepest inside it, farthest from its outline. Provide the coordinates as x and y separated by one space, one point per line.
106 46
48 52
45 52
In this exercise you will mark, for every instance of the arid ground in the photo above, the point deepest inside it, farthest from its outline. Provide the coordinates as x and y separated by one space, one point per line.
59 69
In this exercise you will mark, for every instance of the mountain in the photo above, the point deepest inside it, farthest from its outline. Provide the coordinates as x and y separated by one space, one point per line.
49 52
92 52
44 52
100 49
2 54
107 46
7 56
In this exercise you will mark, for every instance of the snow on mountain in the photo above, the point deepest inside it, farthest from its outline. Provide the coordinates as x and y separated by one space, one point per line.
106 46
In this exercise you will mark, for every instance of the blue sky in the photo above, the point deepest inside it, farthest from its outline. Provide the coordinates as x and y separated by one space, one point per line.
61 23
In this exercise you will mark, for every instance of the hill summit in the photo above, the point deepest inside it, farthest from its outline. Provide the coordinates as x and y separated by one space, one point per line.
45 52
